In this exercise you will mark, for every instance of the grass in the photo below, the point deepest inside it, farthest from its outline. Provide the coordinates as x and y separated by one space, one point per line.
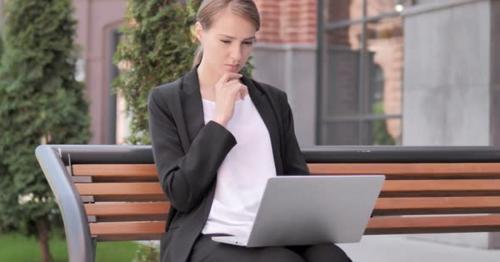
16 247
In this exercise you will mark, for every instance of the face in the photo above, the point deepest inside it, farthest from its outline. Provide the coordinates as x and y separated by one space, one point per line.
227 44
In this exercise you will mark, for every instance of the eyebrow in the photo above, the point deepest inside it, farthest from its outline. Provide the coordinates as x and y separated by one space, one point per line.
232 38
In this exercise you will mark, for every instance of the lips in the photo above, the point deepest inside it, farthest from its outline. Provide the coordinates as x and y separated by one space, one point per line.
232 67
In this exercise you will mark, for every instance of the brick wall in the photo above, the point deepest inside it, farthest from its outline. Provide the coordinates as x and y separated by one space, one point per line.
287 21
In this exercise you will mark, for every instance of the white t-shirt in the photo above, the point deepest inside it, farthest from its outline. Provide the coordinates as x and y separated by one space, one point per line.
243 174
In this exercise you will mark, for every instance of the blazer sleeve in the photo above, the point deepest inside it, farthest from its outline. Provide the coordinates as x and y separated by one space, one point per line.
185 177
294 162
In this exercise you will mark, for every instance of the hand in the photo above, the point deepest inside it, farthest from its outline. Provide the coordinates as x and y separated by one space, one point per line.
227 90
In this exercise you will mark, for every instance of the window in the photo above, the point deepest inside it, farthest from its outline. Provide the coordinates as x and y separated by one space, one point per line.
360 65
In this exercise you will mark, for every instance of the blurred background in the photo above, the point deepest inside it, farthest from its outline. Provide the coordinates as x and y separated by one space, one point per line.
356 72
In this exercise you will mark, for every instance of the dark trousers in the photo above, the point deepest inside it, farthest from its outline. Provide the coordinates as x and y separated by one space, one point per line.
207 250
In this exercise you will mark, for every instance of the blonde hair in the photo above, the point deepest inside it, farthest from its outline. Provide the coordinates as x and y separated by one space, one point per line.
210 8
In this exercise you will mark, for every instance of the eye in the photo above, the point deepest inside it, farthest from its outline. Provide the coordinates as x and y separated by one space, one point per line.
248 43
225 41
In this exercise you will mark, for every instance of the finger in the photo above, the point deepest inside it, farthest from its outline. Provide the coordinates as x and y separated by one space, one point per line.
236 86
227 77
234 82
231 76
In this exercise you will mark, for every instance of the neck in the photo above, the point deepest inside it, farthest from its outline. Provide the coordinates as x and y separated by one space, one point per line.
207 77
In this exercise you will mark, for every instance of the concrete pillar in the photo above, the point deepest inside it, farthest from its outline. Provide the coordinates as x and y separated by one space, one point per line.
495 91
292 68
452 82
447 76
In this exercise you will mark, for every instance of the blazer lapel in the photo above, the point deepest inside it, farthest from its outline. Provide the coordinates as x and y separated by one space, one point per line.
191 104
268 114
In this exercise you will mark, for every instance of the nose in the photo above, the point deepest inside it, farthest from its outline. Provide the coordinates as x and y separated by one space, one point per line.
236 52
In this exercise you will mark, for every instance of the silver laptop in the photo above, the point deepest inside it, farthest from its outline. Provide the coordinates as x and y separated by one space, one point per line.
306 210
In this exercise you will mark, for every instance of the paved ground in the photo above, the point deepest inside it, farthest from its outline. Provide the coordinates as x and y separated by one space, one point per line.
402 249
395 248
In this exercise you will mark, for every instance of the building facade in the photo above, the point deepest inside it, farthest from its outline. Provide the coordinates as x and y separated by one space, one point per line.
98 24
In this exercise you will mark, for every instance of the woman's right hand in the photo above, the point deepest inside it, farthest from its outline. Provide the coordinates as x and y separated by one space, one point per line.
227 90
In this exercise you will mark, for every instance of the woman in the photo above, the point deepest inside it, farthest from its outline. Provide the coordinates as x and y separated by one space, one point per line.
217 137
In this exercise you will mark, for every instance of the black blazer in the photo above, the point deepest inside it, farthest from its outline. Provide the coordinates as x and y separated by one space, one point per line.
188 153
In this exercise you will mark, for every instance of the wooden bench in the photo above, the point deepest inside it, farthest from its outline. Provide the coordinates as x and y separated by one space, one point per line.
110 193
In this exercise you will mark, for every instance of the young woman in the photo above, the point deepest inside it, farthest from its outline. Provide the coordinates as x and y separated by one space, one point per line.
217 137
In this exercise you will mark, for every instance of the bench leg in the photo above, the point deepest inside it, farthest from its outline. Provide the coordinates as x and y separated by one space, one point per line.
94 249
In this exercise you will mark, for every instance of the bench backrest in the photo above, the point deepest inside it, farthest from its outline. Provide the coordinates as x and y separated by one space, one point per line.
125 201
430 197
109 192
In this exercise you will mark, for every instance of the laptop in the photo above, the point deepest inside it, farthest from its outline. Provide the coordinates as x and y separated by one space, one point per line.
307 210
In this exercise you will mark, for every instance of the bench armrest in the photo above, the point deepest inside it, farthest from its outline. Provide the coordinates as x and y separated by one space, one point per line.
76 227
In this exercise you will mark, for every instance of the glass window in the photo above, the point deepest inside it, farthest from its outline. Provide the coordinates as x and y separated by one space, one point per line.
361 77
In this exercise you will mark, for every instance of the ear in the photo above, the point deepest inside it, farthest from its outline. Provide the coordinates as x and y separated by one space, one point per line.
198 30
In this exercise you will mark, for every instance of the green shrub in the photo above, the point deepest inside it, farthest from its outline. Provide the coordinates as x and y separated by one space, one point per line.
40 102
158 46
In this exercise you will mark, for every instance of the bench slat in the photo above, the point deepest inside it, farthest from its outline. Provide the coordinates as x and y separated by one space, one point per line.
377 225
127 209
120 170
125 198
119 189
127 230
436 205
390 188
441 187
407 168
384 206
411 170
445 224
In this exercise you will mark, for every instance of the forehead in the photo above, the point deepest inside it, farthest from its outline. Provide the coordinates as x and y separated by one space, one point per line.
228 23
